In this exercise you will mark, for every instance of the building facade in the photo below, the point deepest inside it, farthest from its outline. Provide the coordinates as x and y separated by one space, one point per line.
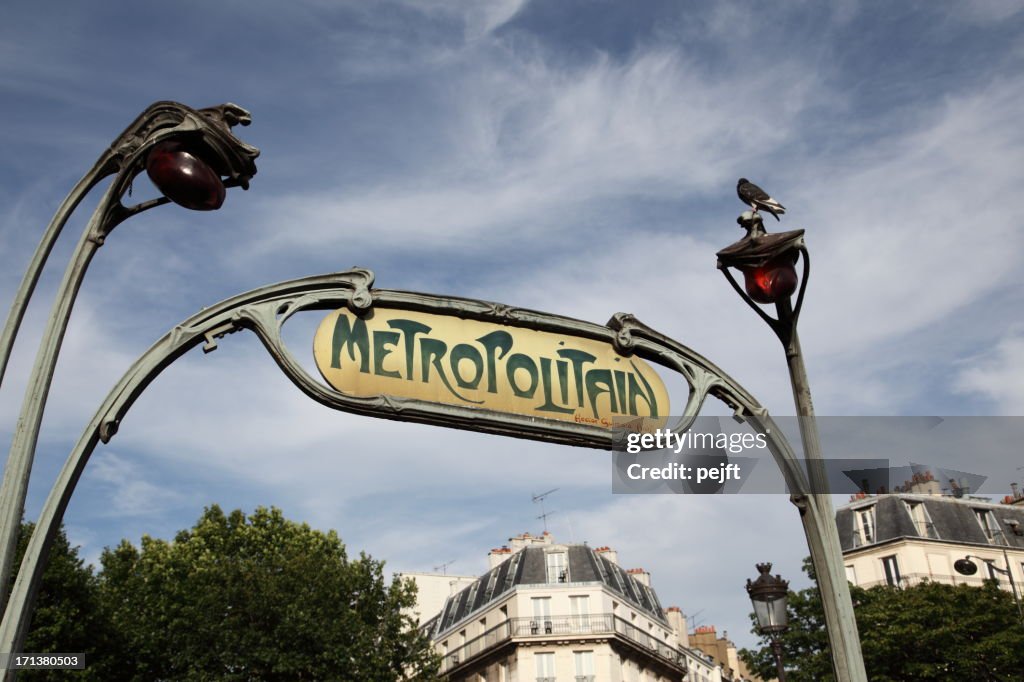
549 612
720 648
901 539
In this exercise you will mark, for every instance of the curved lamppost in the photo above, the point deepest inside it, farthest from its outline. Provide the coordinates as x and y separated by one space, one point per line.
967 567
768 264
191 156
768 596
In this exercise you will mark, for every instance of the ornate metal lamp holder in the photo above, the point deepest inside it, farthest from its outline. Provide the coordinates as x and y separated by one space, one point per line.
767 262
768 595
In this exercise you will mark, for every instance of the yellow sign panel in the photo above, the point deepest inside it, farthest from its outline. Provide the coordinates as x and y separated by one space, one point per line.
453 361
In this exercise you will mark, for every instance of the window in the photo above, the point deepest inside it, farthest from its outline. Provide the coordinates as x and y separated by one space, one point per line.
472 594
864 533
584 665
513 566
987 523
851 574
580 609
541 622
922 521
545 664
489 585
892 570
558 571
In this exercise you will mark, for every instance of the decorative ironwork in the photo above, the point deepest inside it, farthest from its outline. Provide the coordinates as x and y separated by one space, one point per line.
264 311
205 129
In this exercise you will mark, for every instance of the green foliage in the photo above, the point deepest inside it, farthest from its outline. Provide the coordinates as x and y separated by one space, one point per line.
930 631
68 617
260 598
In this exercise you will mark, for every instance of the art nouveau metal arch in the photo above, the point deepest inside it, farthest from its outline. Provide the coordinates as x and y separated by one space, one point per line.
264 311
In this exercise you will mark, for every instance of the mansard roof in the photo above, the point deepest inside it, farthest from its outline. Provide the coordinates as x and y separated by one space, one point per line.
529 567
953 520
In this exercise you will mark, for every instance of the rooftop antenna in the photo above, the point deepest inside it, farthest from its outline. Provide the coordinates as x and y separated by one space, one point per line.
692 621
444 567
544 514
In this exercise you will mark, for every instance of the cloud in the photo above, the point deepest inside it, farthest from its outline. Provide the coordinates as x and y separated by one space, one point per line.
990 11
997 374
534 143
124 483
709 541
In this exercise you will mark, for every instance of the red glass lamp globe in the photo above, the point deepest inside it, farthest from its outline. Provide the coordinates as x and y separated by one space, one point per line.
772 281
183 177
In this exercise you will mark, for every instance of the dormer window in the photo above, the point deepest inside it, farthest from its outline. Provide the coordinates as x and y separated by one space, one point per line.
558 568
988 524
922 521
864 526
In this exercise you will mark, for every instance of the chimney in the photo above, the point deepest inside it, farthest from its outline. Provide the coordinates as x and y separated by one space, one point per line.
497 555
525 540
609 554
677 620
518 542
640 575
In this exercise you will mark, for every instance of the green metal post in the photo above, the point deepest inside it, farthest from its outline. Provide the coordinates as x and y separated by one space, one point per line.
819 525
815 506
26 434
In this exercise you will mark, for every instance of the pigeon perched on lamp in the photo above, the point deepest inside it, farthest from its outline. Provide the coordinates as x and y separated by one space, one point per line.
757 198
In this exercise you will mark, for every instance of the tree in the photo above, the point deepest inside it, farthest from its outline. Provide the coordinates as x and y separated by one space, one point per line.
260 598
930 631
67 617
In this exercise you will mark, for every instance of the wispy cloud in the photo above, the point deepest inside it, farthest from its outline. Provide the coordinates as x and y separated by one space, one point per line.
128 489
532 144
997 374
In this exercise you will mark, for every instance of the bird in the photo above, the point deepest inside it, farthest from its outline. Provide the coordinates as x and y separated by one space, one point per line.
757 198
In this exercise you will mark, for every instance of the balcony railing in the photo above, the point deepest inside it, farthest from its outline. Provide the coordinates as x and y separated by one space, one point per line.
561 626
909 579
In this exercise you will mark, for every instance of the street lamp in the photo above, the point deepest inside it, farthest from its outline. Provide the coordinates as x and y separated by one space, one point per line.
192 156
967 567
768 595
768 264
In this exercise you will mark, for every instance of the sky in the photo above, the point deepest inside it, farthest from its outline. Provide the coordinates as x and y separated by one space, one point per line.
574 157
